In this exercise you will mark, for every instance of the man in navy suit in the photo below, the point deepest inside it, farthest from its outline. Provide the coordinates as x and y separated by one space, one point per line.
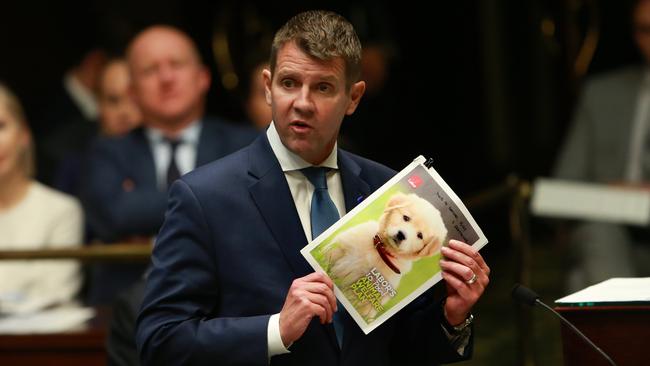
228 284
126 178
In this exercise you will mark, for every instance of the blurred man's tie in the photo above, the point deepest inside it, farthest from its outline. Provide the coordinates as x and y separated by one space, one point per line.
172 168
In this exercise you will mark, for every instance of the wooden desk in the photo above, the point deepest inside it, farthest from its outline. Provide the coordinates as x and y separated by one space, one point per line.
623 332
83 347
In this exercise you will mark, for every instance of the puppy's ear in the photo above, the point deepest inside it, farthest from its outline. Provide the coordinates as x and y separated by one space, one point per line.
431 247
396 201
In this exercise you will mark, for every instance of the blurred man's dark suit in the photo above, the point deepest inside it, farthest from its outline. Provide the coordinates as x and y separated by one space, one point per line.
122 198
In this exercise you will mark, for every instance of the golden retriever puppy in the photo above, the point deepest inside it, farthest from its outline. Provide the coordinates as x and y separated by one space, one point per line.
368 260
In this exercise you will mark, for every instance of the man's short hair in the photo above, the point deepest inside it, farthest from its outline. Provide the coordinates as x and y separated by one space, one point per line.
324 35
169 29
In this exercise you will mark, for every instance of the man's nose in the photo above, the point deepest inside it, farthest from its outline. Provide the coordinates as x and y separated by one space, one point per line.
303 101
166 74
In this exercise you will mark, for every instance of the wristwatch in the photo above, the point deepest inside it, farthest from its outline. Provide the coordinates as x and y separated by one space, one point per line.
462 326
456 329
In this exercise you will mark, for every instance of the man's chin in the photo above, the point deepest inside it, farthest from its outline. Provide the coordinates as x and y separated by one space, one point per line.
173 117
307 152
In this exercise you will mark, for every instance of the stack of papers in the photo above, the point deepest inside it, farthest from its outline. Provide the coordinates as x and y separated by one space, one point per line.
615 291
590 201
54 320
385 252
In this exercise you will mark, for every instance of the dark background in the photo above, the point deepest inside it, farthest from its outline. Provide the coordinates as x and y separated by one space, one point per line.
486 88
478 86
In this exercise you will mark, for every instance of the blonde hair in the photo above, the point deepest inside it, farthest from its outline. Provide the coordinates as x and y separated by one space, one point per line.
324 35
10 101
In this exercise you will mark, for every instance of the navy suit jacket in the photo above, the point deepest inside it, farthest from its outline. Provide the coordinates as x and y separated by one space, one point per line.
115 211
226 257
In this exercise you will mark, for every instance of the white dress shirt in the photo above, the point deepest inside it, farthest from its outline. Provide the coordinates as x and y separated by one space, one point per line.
185 151
82 97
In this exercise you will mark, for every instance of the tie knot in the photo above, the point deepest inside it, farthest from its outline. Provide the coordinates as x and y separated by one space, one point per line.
173 143
316 176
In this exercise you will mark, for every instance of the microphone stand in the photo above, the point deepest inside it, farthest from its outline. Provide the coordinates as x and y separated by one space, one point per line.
528 297
577 331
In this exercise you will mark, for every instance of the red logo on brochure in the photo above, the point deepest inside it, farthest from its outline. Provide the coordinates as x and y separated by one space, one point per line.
415 181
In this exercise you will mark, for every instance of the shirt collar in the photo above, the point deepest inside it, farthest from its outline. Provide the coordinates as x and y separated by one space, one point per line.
82 97
188 135
291 161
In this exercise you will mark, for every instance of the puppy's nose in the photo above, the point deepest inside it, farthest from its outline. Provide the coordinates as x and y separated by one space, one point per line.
400 236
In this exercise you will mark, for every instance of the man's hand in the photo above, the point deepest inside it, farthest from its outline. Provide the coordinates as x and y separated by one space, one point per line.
466 275
308 296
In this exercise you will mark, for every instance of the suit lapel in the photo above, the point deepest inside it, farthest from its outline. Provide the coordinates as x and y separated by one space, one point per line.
211 144
146 170
272 196
355 189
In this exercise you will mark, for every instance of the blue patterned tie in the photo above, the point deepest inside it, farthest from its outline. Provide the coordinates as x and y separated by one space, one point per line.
323 215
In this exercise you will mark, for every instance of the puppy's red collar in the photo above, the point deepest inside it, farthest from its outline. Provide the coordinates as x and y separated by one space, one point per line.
383 253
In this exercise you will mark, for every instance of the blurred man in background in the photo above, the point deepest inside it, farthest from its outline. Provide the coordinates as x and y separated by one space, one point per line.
118 114
609 142
126 178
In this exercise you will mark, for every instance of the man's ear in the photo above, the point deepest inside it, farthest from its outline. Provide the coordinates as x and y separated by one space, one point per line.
267 77
205 79
356 92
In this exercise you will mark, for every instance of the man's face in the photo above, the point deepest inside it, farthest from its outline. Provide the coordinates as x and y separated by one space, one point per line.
309 99
642 29
169 81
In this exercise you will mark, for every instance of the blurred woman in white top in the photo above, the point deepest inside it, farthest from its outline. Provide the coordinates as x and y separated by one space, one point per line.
32 216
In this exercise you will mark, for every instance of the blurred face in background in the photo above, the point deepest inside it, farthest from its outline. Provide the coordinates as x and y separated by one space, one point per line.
169 80
14 142
642 28
118 112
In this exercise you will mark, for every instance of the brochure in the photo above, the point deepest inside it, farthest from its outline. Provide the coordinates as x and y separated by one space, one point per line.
386 251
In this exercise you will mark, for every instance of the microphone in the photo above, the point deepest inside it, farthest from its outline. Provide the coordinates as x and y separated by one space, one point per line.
529 297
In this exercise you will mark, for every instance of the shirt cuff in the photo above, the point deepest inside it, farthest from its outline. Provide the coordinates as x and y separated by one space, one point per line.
273 337
458 341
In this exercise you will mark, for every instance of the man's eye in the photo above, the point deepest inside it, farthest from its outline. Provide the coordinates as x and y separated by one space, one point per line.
112 99
147 71
325 88
288 83
177 64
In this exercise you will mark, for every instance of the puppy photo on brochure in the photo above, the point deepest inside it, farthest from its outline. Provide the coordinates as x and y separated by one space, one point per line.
410 228
385 252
